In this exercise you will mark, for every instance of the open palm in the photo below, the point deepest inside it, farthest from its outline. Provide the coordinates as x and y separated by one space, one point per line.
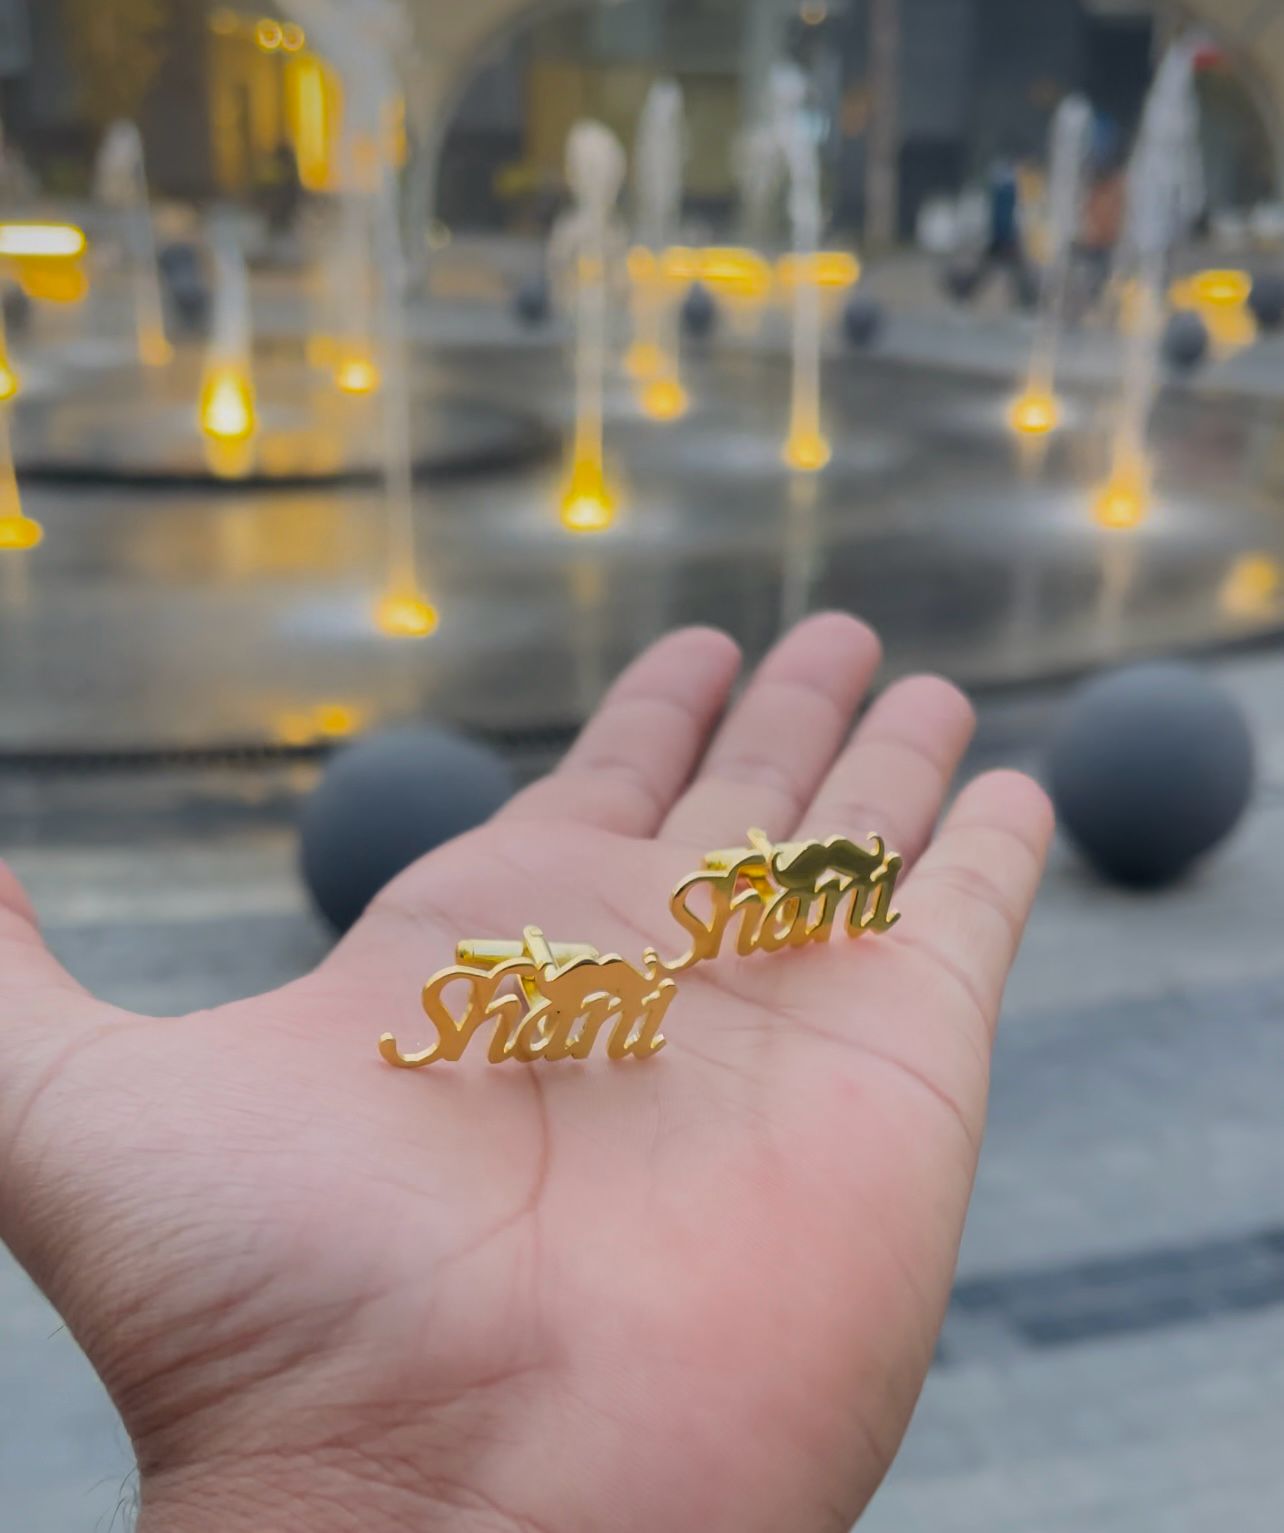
697 1292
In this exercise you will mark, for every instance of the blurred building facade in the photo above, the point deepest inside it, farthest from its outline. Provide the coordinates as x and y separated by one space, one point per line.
927 92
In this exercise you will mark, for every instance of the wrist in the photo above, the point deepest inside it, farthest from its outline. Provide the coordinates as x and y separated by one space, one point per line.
330 1497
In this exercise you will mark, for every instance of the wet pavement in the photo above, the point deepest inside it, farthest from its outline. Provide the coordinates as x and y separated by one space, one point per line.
224 614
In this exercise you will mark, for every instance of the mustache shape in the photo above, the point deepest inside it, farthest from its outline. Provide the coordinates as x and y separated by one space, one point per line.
813 861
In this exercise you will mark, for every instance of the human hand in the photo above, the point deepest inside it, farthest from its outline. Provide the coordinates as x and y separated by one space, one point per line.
698 1292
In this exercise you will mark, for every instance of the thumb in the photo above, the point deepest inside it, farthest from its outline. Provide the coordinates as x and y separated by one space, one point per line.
32 981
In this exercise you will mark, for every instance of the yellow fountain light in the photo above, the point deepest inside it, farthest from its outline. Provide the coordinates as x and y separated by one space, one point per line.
735 271
664 399
1124 500
807 452
1222 289
680 263
357 374
19 533
269 35
1034 413
587 502
46 242
406 614
293 38
228 405
826 268
46 281
336 720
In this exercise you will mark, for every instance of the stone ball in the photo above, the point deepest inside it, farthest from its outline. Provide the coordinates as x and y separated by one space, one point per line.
385 801
1150 769
1267 300
1185 341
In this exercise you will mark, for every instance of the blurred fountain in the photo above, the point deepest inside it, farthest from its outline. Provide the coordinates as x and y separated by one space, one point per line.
595 171
364 40
757 167
807 448
228 410
659 154
1035 411
18 531
120 183
1165 197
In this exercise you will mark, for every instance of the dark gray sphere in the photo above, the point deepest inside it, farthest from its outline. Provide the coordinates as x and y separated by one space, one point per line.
386 801
533 301
863 320
1151 768
699 312
1267 300
1185 341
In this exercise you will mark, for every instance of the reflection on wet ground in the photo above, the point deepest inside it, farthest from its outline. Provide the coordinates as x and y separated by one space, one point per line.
227 614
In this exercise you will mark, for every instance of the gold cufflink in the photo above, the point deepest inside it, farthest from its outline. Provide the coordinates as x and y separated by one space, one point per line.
477 953
552 1000
548 1001
785 895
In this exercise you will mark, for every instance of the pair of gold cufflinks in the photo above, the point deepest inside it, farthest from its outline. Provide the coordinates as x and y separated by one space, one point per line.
552 1001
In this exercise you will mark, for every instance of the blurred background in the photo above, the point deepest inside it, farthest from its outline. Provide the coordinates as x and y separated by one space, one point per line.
377 377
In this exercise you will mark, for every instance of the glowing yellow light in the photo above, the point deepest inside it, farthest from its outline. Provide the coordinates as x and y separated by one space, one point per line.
826 268
49 242
227 405
680 263
269 35
741 273
9 382
807 452
641 265
357 375
1124 500
664 399
406 615
293 38
587 502
335 720
1034 414
229 460
311 100
643 360
225 23
1222 289
814 13
18 532
1252 586
48 281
